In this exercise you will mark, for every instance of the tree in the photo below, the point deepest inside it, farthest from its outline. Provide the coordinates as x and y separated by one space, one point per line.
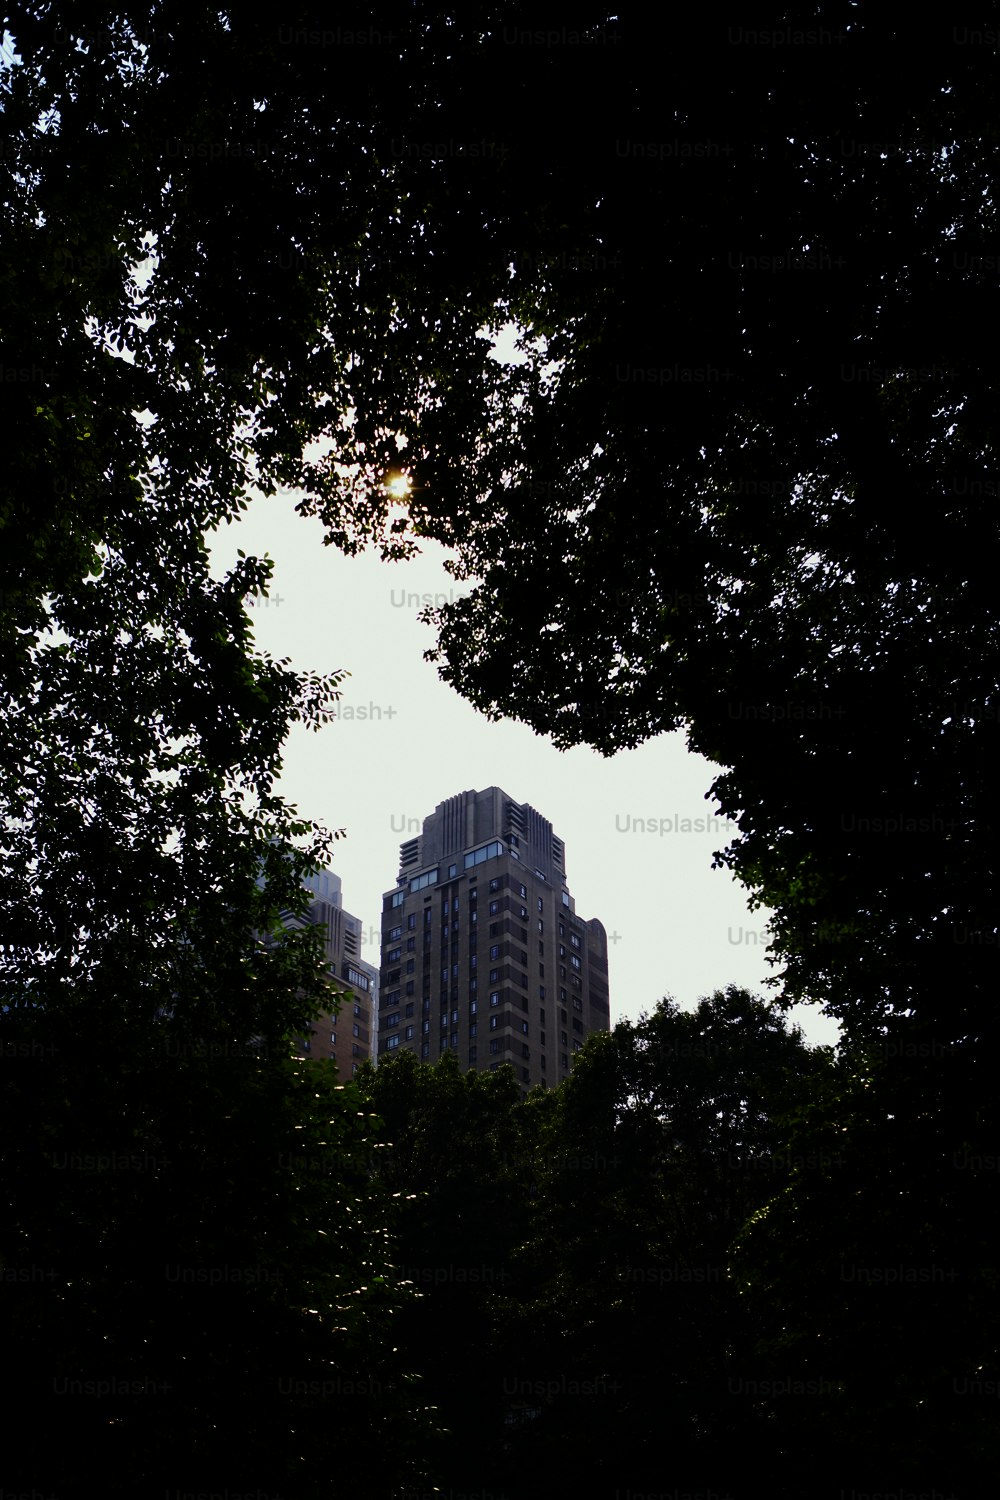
456 1157
870 1279
765 317
196 1285
237 254
153 1121
758 293
622 1314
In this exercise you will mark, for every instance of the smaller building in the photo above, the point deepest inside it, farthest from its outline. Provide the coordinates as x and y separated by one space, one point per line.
346 1039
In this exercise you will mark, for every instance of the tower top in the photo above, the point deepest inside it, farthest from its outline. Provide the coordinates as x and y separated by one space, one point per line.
471 818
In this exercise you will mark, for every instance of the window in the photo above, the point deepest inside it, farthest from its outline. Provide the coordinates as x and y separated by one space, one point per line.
494 908
525 1050
541 1038
541 1017
480 856
358 1011
494 1023
541 994
524 1027
574 940
394 933
473 1028
454 905
522 891
411 947
420 881
355 977
425 1004
409 986
495 951
565 898
473 985
357 1028
563 1039
409 1011
425 1049
495 997
425 1027
444 975
541 904
473 961
409 1033
452 871
444 931
542 1064
411 921
392 1043
564 1060
574 960
577 1003
454 1017
392 1020
494 975
398 897
494 1045
577 1025
473 1007
333 1039
494 929
494 885
392 998
428 916
393 954
541 926
562 995
473 915
473 1054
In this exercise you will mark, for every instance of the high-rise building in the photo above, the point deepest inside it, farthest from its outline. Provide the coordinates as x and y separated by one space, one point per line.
482 951
345 1038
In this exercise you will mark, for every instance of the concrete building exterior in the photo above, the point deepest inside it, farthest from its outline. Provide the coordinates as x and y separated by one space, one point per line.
483 953
346 1039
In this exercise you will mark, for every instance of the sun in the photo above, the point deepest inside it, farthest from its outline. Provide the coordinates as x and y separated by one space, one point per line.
397 484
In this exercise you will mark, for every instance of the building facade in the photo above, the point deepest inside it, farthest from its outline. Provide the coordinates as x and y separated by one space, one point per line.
482 951
346 1039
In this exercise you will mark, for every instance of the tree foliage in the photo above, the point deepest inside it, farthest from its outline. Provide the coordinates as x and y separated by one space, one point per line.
742 483
573 1250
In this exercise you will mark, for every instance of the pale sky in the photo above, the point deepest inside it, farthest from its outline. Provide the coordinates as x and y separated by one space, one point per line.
404 741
